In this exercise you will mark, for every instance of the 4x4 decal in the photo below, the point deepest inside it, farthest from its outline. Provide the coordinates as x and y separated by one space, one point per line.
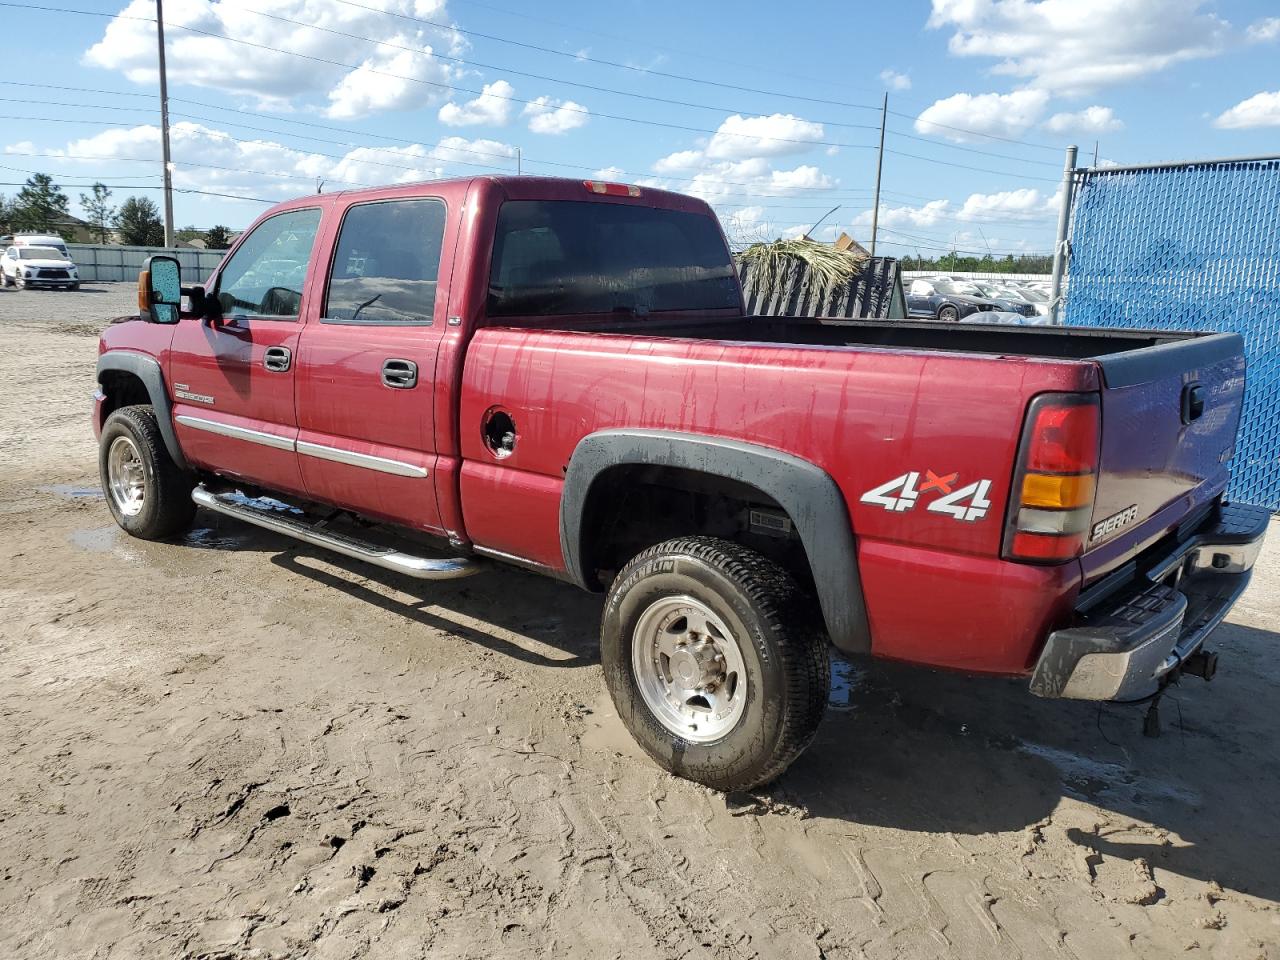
969 503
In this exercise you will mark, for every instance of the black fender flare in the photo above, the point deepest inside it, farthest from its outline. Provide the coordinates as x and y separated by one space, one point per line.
805 491
147 369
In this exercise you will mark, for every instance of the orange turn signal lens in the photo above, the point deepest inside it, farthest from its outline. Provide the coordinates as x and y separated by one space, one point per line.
144 286
1057 491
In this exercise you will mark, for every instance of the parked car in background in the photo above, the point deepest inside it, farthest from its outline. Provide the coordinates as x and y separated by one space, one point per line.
41 240
24 266
947 300
1010 300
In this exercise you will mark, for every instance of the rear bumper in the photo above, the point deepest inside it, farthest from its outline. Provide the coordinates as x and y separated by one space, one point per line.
1126 647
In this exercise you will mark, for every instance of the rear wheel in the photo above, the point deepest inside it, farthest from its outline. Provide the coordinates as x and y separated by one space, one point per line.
714 661
948 314
147 493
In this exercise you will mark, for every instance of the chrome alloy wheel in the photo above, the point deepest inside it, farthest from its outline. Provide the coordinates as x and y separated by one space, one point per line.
128 485
689 669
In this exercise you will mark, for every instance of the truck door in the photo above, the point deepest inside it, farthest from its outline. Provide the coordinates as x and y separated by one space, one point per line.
232 379
366 371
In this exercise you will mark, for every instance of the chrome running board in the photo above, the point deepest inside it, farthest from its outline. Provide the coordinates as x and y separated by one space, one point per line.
281 518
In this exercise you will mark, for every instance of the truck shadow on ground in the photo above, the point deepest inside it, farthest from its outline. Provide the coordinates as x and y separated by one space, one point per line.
919 750
929 751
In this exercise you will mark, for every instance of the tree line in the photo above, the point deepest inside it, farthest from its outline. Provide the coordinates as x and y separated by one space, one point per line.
41 205
960 263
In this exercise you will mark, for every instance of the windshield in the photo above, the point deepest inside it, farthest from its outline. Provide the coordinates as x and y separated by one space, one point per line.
557 257
40 253
1035 296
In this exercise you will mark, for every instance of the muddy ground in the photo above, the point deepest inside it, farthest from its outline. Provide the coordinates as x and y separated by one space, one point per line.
235 746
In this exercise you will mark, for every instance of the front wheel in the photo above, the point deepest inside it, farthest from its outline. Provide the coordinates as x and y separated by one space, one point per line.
714 661
948 314
148 494
20 281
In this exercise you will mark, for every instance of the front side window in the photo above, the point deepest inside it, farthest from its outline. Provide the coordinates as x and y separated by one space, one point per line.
386 264
558 257
266 275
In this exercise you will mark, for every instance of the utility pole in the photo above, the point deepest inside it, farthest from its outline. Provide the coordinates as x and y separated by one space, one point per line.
875 211
164 131
519 162
1060 248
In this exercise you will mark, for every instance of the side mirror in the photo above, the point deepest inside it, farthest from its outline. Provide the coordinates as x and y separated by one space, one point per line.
160 290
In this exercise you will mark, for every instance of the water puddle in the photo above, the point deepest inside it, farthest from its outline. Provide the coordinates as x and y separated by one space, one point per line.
209 539
97 540
1096 780
72 492
846 680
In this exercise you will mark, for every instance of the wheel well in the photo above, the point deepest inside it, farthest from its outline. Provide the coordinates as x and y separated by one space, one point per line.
121 389
631 507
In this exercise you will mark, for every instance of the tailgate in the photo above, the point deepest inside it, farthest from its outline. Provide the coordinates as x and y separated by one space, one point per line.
1169 418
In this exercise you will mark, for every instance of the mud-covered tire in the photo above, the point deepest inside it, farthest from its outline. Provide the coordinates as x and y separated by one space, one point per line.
777 632
166 509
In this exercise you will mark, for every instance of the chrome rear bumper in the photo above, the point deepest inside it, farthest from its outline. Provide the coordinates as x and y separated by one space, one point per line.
1125 648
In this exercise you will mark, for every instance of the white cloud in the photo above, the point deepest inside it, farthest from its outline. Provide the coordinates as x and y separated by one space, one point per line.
613 174
1025 205
492 108
1264 30
219 162
1076 46
775 135
1089 120
680 161
1260 110
895 80
720 180
265 70
999 114
555 116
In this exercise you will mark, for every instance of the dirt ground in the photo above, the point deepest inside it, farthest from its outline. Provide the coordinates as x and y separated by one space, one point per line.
235 746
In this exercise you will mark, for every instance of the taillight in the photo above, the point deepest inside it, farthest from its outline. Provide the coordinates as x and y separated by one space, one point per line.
612 189
1053 488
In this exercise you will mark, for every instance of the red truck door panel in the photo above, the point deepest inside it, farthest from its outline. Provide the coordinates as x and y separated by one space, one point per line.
366 369
232 379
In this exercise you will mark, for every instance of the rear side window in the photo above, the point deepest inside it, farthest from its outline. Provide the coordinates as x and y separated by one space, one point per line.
387 263
568 257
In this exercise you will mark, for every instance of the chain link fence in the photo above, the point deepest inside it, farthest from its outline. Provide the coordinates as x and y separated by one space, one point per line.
1193 246
110 262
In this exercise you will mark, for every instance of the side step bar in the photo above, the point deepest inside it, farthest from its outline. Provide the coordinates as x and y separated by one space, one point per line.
283 519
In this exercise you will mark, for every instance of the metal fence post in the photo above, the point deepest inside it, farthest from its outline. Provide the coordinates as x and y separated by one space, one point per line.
1060 248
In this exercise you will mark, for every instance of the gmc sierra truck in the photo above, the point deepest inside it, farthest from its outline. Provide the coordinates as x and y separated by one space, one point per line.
444 377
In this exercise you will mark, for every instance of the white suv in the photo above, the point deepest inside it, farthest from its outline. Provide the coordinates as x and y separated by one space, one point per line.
28 266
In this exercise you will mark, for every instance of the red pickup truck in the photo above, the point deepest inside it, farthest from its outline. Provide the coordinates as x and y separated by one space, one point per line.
559 375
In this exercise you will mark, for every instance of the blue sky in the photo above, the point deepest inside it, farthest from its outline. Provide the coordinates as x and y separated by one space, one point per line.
771 117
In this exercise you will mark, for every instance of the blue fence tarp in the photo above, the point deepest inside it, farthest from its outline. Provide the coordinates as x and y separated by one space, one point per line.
1192 247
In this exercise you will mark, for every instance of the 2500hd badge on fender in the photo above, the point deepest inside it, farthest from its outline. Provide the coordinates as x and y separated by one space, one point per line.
558 374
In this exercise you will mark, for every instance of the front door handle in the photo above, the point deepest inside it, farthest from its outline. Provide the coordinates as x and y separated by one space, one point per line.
277 359
399 374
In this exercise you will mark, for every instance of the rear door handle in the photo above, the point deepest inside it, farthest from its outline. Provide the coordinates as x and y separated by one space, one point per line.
277 359
399 374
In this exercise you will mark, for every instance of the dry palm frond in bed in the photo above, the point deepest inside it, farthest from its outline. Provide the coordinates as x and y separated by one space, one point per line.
828 267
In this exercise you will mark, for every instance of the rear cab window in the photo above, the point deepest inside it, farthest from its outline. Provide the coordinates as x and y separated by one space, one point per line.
567 258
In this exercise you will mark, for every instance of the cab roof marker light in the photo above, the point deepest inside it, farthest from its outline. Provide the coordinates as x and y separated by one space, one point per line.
612 189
